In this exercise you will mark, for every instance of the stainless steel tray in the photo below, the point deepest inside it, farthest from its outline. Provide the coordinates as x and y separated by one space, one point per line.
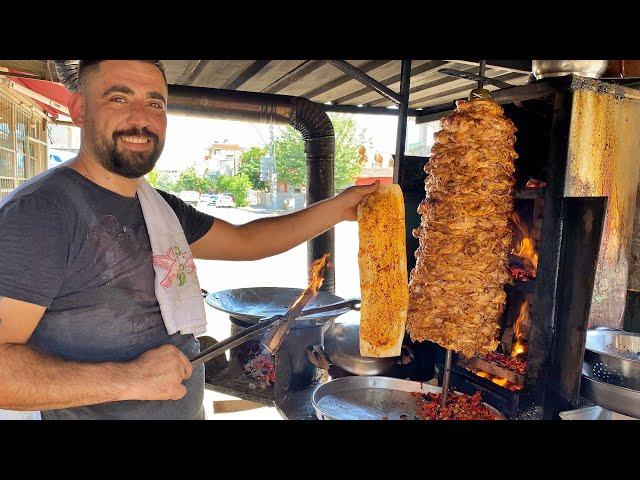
593 413
370 398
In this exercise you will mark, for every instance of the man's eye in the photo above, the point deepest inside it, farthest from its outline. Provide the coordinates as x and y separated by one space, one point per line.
118 99
157 105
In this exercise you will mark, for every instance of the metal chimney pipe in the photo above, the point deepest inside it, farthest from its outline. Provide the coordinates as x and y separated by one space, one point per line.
307 117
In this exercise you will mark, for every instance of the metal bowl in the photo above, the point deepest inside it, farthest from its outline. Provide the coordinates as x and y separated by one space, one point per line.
558 68
342 347
371 398
611 371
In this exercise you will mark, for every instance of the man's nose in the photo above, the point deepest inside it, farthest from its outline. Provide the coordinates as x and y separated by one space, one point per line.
138 115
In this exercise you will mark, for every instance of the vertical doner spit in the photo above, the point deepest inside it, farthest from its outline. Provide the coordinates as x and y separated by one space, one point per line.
457 286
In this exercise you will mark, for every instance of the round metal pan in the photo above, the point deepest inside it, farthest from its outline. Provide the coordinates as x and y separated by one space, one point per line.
617 399
371 398
253 304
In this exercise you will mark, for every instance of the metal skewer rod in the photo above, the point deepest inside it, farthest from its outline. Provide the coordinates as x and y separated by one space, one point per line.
445 378
257 330
483 64
234 340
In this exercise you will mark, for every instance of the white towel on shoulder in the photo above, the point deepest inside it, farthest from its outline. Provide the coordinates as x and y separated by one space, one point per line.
177 287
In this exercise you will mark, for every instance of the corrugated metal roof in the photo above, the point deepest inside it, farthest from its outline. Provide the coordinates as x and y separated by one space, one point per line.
318 80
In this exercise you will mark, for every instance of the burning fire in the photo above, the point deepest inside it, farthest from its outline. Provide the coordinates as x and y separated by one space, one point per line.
503 382
274 337
519 348
526 247
317 270
516 362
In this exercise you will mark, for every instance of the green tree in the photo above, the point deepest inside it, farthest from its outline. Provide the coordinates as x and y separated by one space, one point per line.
291 161
165 183
190 180
160 180
237 186
250 166
152 178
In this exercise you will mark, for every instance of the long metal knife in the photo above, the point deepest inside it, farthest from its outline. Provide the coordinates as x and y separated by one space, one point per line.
257 329
273 339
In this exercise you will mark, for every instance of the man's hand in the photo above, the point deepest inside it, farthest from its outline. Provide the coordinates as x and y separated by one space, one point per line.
273 235
157 374
349 200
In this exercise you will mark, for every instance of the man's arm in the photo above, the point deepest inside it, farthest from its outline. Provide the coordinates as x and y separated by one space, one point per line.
269 236
31 380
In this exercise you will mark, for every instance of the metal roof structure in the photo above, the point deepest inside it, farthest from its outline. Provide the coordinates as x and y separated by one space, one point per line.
366 86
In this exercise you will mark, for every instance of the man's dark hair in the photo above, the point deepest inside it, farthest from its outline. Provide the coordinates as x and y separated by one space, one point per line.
87 65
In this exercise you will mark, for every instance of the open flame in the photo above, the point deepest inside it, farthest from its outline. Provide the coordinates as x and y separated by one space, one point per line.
503 382
274 337
516 362
526 247
318 267
519 348
317 271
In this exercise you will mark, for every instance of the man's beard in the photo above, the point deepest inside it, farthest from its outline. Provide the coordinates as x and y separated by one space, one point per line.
128 163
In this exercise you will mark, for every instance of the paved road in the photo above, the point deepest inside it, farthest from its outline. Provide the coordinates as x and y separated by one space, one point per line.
288 269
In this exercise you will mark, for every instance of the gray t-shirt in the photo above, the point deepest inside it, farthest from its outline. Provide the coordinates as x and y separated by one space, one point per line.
83 252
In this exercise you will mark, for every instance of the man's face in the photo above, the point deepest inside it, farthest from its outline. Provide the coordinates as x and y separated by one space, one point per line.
124 118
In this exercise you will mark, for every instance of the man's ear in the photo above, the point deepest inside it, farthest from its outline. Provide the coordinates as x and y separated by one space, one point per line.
77 109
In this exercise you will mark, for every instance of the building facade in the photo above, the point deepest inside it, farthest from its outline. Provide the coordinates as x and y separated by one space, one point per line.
23 140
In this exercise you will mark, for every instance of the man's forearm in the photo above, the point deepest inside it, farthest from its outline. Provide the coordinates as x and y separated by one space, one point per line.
30 380
274 235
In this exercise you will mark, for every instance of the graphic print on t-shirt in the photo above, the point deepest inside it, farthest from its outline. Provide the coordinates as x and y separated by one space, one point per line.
178 264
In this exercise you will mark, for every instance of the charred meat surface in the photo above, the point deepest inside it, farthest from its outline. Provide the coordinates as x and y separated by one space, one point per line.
504 361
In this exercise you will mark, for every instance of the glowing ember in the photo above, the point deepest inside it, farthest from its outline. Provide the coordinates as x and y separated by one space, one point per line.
503 382
261 367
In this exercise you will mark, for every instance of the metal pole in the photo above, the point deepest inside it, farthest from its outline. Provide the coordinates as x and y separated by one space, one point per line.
273 181
401 136
483 64
366 80
320 185
445 378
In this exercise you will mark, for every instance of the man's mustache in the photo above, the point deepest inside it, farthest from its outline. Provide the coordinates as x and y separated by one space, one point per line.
136 132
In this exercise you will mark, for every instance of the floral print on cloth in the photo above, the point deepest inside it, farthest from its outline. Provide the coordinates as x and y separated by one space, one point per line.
178 264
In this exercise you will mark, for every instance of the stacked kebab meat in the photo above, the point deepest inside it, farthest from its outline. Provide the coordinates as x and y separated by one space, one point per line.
457 286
